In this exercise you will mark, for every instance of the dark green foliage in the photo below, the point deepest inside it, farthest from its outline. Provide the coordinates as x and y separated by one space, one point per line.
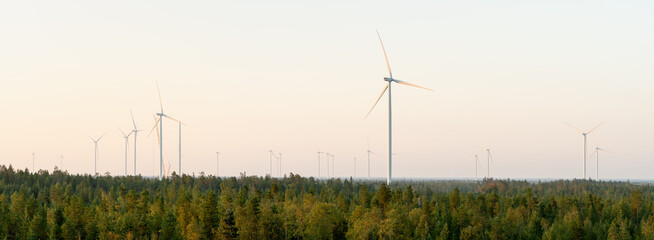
62 206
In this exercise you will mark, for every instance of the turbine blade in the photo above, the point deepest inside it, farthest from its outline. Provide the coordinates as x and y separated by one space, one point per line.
411 84
156 124
595 127
593 154
579 130
171 118
380 96
134 122
602 149
101 137
388 65
122 132
159 94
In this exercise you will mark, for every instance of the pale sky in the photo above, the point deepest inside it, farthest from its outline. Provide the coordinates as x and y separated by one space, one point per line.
299 76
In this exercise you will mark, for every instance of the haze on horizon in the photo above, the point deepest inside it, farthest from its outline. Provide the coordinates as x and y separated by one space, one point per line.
298 77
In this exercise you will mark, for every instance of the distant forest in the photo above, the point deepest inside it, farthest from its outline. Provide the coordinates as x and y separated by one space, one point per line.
57 205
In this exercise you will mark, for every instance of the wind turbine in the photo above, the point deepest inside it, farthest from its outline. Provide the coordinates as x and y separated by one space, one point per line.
328 156
135 131
332 155
355 167
490 158
279 165
585 145
126 136
369 152
597 150
217 164
476 165
390 80
270 155
319 152
160 123
95 157
180 123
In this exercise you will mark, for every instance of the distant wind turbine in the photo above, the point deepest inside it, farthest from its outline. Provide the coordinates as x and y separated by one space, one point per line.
585 145
126 136
279 163
271 155
95 157
160 123
390 80
135 131
355 167
369 152
597 150
217 165
319 153
327 156
476 166
490 158
180 123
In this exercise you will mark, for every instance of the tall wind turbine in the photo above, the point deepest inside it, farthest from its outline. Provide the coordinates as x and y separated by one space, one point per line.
369 152
319 152
95 157
597 150
160 122
271 155
355 167
217 165
126 136
585 145
490 158
327 156
390 80
476 165
180 123
279 165
330 173
135 131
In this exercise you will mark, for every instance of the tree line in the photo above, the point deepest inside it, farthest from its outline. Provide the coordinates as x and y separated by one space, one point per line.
59 205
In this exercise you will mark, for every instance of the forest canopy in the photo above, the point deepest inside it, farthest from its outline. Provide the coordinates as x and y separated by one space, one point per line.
58 205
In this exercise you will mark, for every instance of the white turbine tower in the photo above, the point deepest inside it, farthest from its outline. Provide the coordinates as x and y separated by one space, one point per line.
333 169
490 158
319 152
390 80
217 165
585 143
135 131
476 166
355 167
271 155
180 123
369 152
597 150
160 123
126 136
95 157
279 165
